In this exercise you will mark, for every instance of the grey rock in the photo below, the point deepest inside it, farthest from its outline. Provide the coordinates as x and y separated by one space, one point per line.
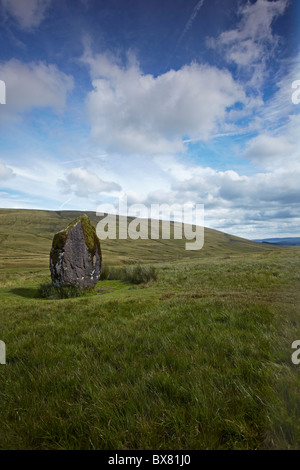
75 257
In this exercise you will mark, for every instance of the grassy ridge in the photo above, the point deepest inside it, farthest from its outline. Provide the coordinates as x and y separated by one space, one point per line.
198 359
26 238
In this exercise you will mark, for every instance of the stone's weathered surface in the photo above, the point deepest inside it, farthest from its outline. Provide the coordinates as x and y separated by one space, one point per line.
75 257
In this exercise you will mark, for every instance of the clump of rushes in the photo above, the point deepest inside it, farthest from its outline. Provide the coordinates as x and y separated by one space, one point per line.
137 274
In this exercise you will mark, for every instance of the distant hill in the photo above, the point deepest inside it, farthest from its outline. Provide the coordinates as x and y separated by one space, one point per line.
290 241
26 239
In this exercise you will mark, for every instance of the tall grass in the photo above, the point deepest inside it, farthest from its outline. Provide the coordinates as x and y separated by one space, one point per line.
137 274
133 274
199 360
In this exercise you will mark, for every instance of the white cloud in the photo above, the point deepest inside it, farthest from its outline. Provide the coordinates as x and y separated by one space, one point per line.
208 186
77 189
5 172
33 85
277 150
252 43
249 42
131 112
27 13
260 205
83 183
280 105
252 206
276 188
266 148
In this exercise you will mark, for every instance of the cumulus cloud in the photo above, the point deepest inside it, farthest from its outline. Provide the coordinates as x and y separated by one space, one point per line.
28 13
33 85
253 206
5 172
277 150
274 187
132 112
267 148
83 183
238 203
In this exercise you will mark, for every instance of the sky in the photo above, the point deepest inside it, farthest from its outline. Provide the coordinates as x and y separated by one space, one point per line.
161 101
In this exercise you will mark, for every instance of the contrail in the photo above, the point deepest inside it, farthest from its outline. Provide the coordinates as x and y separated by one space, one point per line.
190 21
187 26
83 159
66 202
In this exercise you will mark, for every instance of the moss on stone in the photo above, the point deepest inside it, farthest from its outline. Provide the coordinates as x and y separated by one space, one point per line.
90 237
59 240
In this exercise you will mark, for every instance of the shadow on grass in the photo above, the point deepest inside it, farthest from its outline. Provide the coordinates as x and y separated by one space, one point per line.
27 292
65 293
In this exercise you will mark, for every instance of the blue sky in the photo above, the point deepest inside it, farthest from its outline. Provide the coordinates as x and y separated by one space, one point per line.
166 101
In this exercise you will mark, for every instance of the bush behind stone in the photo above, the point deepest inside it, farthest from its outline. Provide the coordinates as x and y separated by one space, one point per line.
136 274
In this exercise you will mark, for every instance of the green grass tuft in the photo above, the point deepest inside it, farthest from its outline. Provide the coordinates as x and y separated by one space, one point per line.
137 274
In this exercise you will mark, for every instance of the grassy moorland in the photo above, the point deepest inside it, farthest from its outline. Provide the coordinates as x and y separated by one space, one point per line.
198 359
26 238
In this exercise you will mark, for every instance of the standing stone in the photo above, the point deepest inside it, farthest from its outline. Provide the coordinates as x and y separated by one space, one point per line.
75 257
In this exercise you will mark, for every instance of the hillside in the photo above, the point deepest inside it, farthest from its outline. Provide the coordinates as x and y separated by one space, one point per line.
287 241
26 237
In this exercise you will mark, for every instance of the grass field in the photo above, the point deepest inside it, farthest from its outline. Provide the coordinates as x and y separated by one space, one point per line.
26 237
199 359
